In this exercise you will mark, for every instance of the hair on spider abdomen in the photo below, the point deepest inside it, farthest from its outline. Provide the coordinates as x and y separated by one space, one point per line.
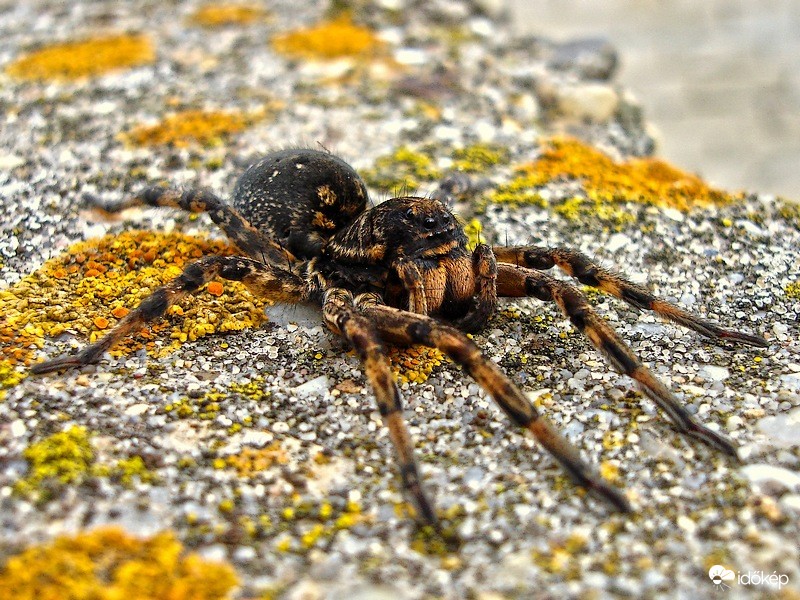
401 272
300 198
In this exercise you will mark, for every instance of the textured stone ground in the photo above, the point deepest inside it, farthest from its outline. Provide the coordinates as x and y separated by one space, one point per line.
262 447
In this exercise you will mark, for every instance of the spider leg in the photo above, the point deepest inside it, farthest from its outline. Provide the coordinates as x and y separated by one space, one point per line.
484 302
263 280
590 273
519 282
246 237
411 277
403 327
342 317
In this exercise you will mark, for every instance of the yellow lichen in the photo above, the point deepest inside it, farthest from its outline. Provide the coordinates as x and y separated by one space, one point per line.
62 458
130 469
563 556
402 171
525 188
721 555
415 363
202 127
328 40
253 390
474 231
206 407
613 440
311 537
95 278
68 457
431 541
646 180
609 470
85 58
318 522
577 208
479 158
218 15
109 564
789 212
10 376
793 290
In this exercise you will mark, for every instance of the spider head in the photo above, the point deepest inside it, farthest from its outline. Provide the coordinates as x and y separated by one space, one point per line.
418 226
408 226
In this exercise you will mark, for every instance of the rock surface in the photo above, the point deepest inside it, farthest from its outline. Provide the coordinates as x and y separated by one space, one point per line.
263 447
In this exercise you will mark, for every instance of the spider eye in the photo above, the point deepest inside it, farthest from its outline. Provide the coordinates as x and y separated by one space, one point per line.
410 213
429 223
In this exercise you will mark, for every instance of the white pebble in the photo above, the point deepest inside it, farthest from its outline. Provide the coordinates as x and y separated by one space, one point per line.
782 430
771 479
595 102
318 385
714 373
617 241
137 409
257 438
18 428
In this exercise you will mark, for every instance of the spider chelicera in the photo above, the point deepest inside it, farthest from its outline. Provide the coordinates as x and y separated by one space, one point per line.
401 273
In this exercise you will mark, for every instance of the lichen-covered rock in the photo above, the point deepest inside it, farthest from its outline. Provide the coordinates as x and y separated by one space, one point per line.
195 427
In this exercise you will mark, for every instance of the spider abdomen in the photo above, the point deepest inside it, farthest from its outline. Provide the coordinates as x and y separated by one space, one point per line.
299 198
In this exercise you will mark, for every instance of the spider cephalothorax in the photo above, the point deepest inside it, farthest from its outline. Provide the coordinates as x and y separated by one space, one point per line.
401 272
412 252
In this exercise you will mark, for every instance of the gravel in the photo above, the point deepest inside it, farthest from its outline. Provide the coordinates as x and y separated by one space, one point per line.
292 392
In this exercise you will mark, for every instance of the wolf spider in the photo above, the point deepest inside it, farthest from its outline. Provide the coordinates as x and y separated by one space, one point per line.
401 273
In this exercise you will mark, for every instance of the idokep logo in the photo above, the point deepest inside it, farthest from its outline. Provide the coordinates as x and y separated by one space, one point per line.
720 576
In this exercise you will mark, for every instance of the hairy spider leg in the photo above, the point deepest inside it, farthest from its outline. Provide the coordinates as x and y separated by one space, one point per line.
263 280
517 282
484 302
411 277
343 318
247 238
590 273
403 327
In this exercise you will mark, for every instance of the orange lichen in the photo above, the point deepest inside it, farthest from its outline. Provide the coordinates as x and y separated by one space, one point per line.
109 564
329 40
85 58
215 288
252 461
647 180
415 363
203 127
120 312
126 268
218 15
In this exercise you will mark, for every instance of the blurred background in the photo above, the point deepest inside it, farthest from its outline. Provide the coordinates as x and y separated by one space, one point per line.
720 79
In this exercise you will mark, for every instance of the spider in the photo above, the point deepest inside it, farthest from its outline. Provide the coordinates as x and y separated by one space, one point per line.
400 272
